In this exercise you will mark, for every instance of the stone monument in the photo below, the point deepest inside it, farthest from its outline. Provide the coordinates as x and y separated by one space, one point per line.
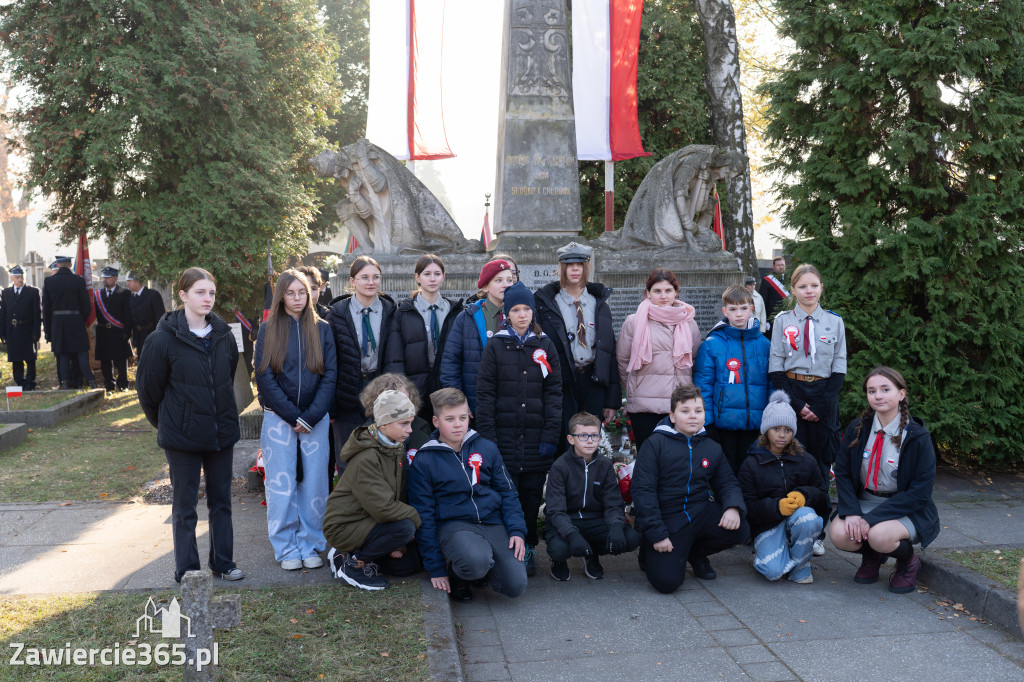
537 200
205 612
388 210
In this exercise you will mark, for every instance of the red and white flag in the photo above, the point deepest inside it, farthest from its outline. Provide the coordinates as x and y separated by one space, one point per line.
14 391
605 53
404 112
83 267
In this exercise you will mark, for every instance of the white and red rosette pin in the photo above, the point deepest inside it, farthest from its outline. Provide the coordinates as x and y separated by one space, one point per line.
790 332
540 356
733 365
476 460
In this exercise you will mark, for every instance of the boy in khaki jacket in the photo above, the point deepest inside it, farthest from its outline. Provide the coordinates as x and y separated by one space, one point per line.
366 521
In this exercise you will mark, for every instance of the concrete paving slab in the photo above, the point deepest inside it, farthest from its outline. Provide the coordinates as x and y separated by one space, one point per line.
923 656
769 672
757 653
14 522
486 672
701 664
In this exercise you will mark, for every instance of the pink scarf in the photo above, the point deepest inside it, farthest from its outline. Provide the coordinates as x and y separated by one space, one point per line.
679 314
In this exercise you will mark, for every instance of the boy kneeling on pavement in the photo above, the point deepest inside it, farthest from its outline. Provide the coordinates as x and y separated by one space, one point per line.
584 509
366 520
469 506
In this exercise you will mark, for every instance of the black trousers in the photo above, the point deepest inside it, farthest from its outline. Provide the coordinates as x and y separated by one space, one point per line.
23 378
582 394
643 425
81 362
734 445
385 538
530 485
108 367
185 470
820 438
594 531
702 537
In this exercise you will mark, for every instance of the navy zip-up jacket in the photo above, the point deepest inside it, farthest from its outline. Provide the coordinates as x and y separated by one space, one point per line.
463 349
296 395
673 479
915 478
440 487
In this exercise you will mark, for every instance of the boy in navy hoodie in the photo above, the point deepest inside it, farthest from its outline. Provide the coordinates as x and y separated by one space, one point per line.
731 371
676 471
468 506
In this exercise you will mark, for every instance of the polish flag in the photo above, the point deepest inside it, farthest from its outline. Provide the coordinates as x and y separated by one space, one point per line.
605 45
14 391
404 114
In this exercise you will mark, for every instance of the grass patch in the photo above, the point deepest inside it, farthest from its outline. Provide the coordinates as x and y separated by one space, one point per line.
1001 565
107 454
292 633
39 400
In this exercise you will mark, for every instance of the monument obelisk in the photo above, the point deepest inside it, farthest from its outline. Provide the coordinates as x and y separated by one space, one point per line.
537 196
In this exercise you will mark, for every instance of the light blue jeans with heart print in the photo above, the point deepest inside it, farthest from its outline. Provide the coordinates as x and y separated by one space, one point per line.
295 509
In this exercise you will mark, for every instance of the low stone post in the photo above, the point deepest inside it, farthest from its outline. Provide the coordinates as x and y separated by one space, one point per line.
205 613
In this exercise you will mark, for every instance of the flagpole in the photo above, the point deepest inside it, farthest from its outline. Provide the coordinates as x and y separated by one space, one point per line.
609 196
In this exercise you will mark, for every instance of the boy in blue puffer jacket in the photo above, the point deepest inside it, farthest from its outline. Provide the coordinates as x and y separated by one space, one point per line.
468 506
731 371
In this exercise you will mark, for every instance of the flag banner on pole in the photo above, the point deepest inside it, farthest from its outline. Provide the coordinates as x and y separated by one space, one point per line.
404 109
605 46
716 226
485 234
83 267
351 244
14 391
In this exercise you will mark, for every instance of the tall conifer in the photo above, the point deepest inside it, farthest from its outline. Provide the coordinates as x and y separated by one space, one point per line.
898 130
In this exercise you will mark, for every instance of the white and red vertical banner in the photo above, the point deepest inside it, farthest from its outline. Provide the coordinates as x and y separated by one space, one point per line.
83 267
605 55
404 111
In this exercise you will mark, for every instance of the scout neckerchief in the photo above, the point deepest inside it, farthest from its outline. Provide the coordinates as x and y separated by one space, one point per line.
103 309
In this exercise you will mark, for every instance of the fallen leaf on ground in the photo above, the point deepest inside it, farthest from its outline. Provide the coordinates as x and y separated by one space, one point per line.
384 654
296 636
293 620
104 494
803 621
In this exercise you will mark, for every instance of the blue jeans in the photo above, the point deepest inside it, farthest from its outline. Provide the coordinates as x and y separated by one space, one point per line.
787 547
295 510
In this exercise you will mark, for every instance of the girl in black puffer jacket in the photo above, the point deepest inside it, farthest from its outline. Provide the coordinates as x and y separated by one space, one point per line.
185 382
419 331
519 403
296 371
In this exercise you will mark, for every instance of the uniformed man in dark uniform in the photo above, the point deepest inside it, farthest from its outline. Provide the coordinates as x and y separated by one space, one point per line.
147 307
66 307
113 329
326 295
20 326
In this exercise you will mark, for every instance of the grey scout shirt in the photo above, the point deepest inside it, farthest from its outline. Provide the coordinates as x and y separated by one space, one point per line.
367 363
423 308
567 306
890 457
827 343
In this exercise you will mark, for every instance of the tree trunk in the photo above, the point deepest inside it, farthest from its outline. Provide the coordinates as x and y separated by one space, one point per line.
718 23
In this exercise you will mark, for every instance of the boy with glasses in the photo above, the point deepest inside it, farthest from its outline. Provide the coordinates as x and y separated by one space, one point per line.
584 511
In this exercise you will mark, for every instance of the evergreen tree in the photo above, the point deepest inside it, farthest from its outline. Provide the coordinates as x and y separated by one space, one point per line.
671 100
898 128
178 130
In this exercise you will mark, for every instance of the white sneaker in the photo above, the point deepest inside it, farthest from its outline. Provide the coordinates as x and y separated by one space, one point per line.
819 548
313 562
291 564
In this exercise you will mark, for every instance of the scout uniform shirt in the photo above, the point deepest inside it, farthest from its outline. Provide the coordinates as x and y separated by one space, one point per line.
367 360
423 308
493 317
582 356
889 462
824 352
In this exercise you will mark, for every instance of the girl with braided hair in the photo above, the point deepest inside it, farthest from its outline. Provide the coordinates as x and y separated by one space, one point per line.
885 472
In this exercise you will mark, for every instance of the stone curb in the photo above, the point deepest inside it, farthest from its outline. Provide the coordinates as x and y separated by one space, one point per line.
58 414
442 641
12 434
981 596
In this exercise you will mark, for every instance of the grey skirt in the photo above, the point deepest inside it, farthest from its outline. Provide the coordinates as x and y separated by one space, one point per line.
868 502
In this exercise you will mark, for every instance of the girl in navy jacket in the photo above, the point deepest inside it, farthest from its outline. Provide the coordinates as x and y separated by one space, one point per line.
296 373
885 473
